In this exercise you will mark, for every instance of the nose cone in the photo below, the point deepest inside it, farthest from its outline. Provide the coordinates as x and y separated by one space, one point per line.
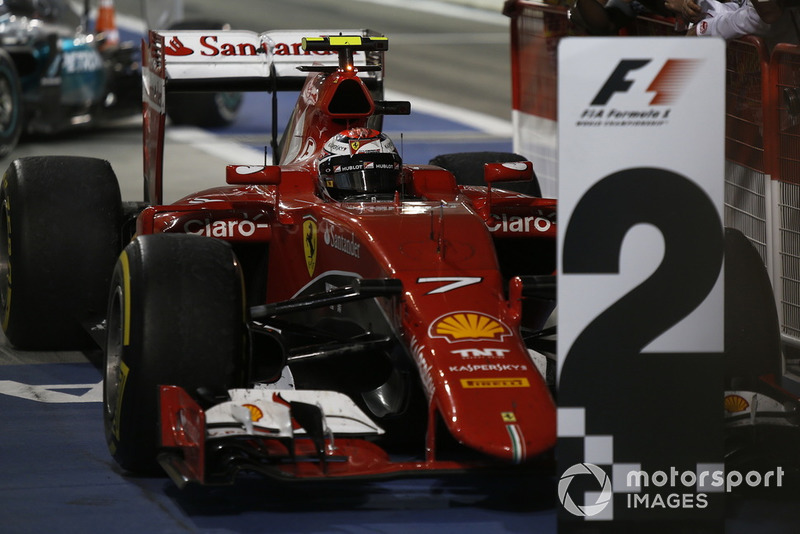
509 418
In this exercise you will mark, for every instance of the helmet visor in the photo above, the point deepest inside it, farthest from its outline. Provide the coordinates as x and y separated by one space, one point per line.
362 173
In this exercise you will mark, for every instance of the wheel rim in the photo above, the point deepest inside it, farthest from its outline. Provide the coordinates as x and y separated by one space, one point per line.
228 105
7 110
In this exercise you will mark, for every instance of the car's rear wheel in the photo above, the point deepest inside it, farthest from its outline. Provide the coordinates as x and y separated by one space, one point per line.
467 167
175 317
10 105
206 110
60 220
752 328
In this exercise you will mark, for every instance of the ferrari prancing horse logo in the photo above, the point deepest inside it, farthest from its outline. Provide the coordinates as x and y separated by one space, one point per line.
310 244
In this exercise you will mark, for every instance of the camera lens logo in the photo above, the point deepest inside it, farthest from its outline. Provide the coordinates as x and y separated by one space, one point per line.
587 510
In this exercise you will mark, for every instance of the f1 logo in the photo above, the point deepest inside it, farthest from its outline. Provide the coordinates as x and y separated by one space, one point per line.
666 85
617 82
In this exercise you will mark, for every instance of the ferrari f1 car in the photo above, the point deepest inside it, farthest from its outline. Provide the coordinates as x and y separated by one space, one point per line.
55 75
337 313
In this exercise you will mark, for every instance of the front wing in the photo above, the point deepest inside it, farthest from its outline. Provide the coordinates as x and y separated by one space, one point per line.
282 434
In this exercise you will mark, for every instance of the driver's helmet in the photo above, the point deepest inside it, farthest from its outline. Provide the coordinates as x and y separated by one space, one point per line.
359 161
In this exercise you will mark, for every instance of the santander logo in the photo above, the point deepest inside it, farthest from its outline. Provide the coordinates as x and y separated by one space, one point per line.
209 46
177 48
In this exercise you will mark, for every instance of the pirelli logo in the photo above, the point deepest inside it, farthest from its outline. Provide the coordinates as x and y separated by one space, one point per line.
472 383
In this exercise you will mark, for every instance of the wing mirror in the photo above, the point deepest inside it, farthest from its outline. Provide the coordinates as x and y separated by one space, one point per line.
259 175
513 171
253 174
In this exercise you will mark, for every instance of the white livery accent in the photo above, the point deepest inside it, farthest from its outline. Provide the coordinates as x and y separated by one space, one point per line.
749 408
263 412
242 54
287 54
203 54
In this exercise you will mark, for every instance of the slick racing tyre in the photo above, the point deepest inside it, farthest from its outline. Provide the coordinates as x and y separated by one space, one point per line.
60 220
752 328
10 105
467 167
175 317
206 110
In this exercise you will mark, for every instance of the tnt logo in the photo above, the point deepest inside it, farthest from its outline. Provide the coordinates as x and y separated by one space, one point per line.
666 86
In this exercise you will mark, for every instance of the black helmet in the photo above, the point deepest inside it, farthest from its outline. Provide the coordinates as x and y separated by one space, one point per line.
359 161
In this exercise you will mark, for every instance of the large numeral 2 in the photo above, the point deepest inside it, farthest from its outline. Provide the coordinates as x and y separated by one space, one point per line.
604 368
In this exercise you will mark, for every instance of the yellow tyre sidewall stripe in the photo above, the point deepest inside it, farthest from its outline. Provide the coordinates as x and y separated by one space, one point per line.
126 297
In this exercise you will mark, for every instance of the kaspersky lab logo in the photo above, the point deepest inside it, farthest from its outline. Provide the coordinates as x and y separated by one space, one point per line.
590 471
623 98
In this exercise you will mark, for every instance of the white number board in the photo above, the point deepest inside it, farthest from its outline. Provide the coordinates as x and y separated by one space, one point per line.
641 244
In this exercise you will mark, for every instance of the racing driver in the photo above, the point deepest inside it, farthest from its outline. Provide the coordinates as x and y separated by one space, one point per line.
360 164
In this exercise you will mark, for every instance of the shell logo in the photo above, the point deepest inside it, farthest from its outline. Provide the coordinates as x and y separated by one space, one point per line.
735 403
255 412
468 326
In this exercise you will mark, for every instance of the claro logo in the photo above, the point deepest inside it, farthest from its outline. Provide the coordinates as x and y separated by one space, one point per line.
666 86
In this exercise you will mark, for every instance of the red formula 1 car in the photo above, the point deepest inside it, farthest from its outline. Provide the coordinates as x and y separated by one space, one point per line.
339 313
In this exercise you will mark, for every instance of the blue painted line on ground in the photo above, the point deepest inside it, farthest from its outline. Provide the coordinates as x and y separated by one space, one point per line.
58 476
255 116
408 132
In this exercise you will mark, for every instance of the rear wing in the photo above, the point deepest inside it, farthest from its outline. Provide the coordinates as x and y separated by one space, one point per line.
235 61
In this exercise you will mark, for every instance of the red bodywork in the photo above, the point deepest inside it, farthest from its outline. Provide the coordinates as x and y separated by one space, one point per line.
454 317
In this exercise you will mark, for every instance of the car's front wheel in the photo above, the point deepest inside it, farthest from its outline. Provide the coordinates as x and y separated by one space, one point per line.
175 317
